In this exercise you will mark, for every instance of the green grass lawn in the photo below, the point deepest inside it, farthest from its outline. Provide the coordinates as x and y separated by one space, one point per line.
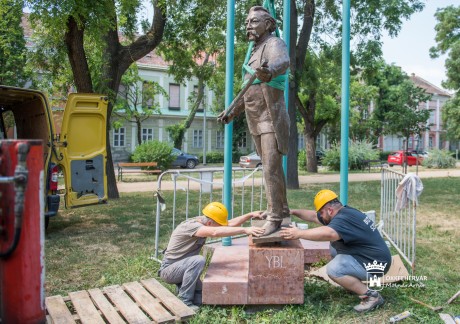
110 244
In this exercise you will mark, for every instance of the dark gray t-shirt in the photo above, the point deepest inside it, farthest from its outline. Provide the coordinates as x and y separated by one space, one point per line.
183 243
359 237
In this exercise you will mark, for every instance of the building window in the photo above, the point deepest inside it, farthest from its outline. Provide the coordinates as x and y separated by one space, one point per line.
410 143
431 120
430 142
198 138
242 143
220 139
148 89
174 96
301 142
147 134
119 137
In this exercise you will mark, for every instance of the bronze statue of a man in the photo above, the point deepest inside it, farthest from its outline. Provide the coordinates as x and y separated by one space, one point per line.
265 109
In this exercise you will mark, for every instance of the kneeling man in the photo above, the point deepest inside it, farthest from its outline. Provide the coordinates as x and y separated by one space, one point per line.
182 263
355 242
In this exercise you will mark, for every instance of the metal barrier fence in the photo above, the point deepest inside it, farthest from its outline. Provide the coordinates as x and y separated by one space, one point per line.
187 191
398 225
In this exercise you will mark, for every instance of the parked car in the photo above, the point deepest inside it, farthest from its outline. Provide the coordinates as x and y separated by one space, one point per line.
400 157
319 156
78 151
250 161
420 153
184 160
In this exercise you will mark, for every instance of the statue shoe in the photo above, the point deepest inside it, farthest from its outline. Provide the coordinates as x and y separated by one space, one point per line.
271 226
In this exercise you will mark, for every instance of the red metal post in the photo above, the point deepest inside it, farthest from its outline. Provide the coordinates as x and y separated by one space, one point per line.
22 271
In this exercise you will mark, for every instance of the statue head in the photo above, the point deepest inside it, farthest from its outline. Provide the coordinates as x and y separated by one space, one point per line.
259 23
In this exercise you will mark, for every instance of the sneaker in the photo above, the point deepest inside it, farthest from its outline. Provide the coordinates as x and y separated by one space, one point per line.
371 300
194 307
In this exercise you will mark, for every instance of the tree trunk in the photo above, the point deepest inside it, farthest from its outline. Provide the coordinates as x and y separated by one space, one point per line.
112 189
77 57
292 158
139 131
310 148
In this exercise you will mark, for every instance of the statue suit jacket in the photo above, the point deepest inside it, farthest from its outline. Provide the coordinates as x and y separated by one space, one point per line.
274 51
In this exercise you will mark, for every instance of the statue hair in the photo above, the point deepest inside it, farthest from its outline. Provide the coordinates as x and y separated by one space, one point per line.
265 15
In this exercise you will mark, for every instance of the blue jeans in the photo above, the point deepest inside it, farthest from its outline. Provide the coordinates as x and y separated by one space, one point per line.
185 274
345 265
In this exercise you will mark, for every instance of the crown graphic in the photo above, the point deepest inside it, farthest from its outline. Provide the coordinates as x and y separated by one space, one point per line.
375 266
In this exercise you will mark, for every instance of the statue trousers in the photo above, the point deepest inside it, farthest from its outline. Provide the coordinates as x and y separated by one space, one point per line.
275 184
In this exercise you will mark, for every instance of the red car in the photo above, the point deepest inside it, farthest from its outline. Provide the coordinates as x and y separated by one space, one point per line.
399 157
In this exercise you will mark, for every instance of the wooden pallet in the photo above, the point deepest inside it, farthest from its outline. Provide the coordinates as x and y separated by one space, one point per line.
133 302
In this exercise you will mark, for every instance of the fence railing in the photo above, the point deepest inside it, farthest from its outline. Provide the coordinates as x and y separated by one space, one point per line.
398 224
182 194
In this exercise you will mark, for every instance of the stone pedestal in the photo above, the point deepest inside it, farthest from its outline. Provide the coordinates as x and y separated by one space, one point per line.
276 273
262 274
226 280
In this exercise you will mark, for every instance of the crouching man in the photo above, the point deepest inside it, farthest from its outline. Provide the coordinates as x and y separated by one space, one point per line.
355 242
182 263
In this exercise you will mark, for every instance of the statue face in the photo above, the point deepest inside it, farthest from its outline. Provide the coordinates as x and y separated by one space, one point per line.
256 26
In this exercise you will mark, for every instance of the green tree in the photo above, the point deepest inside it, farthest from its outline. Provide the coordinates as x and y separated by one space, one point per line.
135 101
88 34
321 25
361 100
318 93
192 39
448 42
12 44
406 118
451 117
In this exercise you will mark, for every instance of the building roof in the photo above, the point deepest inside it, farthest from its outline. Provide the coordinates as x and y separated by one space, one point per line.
153 59
429 88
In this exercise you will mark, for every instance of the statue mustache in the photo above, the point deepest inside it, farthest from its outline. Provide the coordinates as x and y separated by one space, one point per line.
253 33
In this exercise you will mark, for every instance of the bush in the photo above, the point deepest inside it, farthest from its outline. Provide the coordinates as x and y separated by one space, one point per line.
441 159
384 155
154 151
213 157
302 159
358 152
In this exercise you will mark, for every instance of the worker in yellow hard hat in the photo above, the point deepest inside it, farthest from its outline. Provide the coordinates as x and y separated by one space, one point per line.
182 263
356 245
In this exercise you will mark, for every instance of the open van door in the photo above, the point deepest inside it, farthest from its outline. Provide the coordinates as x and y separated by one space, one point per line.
82 151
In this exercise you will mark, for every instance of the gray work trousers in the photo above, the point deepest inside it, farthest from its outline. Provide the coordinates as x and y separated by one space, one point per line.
185 274
275 185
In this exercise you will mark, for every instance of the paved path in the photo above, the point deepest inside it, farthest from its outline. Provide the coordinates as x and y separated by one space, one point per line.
314 178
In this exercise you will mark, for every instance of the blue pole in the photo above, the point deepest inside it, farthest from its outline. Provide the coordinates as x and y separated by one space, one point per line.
229 69
345 102
286 36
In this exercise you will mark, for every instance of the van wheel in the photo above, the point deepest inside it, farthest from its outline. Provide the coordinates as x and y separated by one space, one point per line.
259 165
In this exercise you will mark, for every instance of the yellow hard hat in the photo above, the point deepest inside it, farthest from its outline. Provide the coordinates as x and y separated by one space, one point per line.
323 197
217 212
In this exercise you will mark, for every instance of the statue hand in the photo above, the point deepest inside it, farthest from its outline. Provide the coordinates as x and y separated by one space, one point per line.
264 74
221 118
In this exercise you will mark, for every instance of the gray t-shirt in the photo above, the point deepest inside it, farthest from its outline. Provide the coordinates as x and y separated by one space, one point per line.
183 243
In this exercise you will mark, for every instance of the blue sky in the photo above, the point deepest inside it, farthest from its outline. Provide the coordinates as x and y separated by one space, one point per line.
410 50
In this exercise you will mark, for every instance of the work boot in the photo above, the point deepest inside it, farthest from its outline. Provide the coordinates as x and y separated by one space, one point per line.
369 301
270 227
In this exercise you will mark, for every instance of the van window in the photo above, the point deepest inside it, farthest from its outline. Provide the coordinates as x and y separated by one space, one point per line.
7 125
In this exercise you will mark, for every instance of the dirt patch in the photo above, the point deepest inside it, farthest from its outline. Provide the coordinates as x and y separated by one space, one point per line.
440 221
